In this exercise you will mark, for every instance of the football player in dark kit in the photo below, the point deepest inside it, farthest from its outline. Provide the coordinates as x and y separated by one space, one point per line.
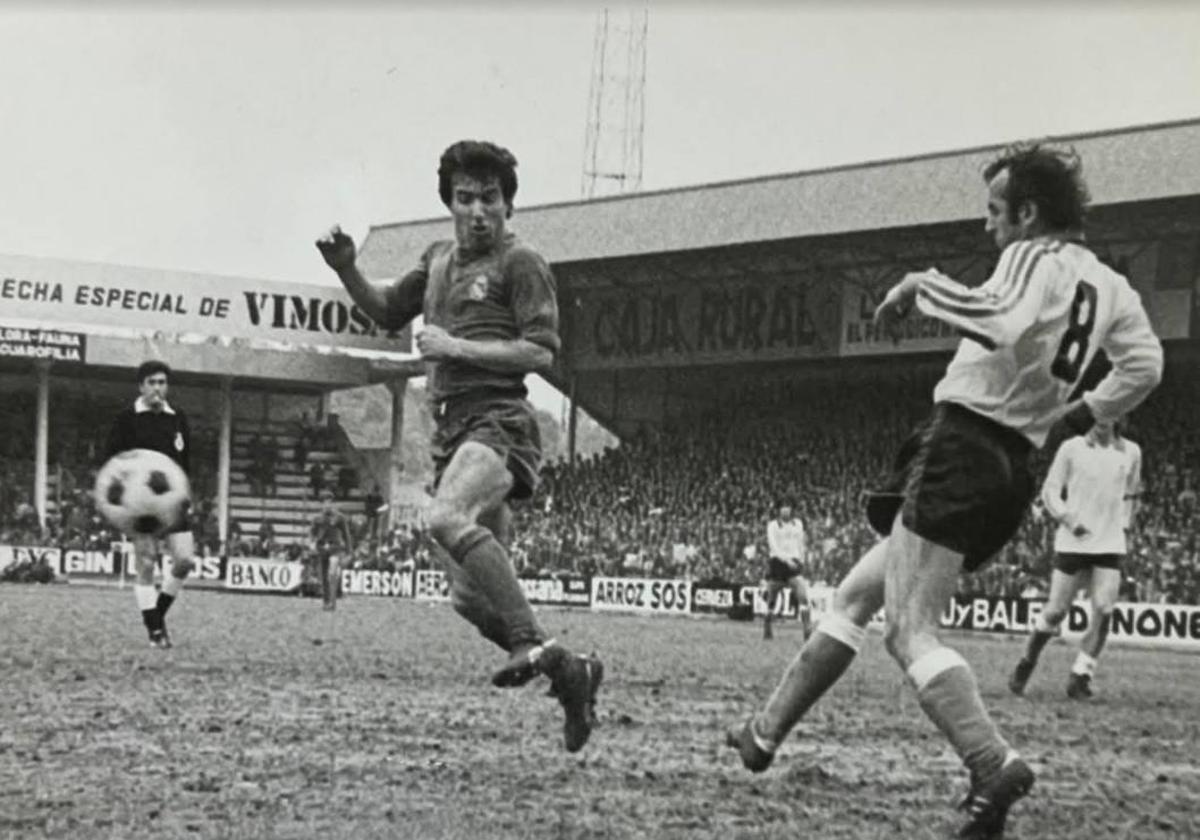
153 423
491 317
331 539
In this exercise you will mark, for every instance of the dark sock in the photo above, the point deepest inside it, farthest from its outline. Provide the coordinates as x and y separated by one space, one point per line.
767 619
489 625
1037 640
471 603
323 570
152 619
484 559
164 603
1103 626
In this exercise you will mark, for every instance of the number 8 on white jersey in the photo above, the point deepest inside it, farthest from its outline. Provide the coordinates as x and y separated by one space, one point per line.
1032 330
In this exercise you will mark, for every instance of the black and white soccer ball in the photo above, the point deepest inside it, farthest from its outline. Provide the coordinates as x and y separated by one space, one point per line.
143 493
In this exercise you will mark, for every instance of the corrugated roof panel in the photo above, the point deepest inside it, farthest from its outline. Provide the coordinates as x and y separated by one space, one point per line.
1133 164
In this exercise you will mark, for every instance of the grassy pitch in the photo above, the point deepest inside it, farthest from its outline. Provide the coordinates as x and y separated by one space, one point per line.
271 718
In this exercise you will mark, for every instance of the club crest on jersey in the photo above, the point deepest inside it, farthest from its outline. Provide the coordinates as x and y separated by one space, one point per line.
479 287
179 441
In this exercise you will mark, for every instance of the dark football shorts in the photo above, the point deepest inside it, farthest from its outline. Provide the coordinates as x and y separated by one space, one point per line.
961 481
505 423
781 571
1072 563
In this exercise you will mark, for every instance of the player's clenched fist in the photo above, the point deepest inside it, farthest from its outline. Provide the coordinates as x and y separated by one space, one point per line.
337 248
435 344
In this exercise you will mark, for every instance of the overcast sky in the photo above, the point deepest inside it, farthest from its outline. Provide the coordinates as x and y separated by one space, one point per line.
224 141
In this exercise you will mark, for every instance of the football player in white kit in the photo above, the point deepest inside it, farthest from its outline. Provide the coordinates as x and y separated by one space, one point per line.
1091 491
962 482
786 566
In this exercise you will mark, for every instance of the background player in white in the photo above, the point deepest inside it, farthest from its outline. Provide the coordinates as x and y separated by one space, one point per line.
787 550
1091 492
963 482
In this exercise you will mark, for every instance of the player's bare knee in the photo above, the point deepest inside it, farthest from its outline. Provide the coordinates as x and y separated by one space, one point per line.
854 606
446 521
498 520
902 637
183 566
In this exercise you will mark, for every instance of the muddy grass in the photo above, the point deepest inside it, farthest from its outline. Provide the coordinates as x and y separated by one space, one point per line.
271 718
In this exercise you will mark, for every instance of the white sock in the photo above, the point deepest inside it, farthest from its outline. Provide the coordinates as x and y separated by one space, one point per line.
1084 665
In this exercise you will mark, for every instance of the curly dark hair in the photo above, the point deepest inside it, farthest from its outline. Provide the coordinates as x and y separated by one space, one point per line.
147 369
1050 178
478 158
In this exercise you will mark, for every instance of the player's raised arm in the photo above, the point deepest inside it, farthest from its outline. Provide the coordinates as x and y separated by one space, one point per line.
1000 311
393 305
1137 361
517 355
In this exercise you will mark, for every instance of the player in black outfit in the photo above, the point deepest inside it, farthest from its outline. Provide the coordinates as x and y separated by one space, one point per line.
153 423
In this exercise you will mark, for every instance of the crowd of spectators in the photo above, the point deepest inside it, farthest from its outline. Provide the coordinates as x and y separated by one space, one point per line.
693 500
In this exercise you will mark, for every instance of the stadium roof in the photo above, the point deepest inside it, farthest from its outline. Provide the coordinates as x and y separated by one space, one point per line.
1122 165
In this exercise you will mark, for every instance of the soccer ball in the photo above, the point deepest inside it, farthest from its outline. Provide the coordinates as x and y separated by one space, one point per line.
142 492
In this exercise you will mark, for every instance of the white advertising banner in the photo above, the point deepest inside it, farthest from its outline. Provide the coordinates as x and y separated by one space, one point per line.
60 294
642 595
431 585
376 582
1160 625
256 575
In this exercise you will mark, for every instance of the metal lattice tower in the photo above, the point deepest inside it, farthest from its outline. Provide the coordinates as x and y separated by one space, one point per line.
616 114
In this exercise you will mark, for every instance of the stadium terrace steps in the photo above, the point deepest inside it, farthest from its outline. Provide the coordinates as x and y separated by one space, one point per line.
295 490
240 457
292 506
301 507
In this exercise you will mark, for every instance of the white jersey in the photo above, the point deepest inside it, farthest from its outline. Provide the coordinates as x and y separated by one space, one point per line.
785 540
1093 486
1033 328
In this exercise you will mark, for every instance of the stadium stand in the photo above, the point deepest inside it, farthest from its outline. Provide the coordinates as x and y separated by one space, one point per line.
278 490
682 501
695 500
